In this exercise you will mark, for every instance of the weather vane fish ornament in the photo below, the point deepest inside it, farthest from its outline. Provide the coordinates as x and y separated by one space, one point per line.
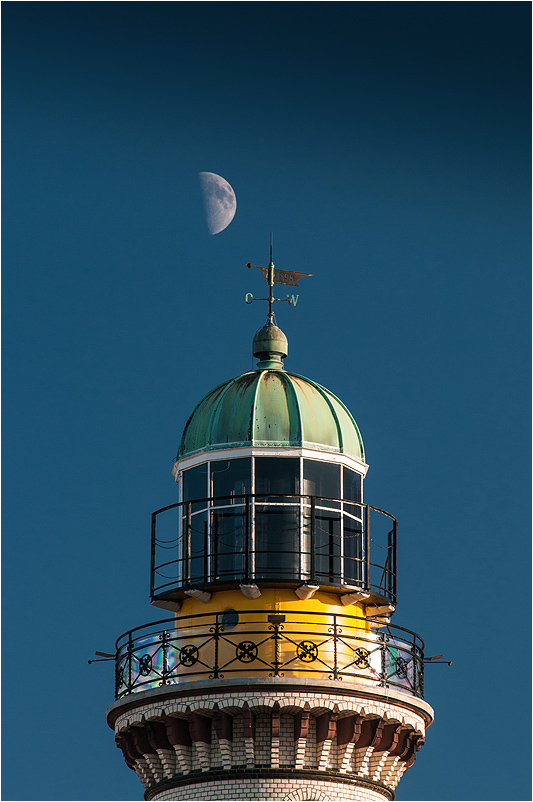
272 277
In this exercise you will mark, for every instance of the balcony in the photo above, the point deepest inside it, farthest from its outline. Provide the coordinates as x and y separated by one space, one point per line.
276 540
252 643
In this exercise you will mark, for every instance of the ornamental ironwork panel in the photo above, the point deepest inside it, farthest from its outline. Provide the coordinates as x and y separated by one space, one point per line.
299 644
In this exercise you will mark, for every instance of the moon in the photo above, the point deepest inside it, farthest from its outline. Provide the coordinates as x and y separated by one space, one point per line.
219 201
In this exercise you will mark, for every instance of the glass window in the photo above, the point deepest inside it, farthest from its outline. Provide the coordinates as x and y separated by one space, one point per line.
195 540
277 528
195 485
197 562
327 546
322 479
230 479
277 475
277 542
353 550
228 539
351 485
352 491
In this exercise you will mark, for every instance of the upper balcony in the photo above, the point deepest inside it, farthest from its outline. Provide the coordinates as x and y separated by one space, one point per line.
275 540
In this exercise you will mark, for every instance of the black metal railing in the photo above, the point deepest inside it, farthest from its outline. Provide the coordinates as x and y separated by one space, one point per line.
273 538
233 644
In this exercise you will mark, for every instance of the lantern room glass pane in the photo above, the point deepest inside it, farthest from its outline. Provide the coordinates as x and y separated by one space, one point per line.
353 550
327 546
195 485
351 491
322 479
198 548
277 542
351 485
228 537
230 478
277 522
277 475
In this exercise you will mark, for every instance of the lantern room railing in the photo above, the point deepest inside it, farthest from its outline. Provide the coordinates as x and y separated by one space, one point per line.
273 539
253 643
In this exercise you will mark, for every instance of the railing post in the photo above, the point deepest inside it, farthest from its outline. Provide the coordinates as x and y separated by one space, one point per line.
394 555
206 552
335 667
389 566
117 683
383 660
415 668
276 650
247 552
152 557
367 546
188 545
419 690
165 659
130 659
215 667
313 538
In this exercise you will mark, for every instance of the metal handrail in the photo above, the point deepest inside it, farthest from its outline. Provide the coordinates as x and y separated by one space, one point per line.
362 566
322 645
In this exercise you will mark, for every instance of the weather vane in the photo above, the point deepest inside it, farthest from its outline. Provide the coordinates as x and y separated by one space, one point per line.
272 277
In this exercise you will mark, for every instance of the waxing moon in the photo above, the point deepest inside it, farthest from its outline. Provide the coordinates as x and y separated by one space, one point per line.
219 201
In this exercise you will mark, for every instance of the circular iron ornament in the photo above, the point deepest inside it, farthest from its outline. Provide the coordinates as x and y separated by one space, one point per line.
145 664
360 658
120 676
188 655
246 651
307 651
401 668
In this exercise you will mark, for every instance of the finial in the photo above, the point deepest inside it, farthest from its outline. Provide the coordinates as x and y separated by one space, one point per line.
270 346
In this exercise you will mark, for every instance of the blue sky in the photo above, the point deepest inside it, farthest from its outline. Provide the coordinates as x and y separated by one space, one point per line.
387 146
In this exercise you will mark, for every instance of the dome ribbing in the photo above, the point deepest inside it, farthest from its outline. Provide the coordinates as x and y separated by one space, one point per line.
271 408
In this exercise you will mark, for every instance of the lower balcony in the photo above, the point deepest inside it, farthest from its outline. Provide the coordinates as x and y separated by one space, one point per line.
252 643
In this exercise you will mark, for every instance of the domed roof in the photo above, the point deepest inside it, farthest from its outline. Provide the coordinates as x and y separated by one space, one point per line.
270 407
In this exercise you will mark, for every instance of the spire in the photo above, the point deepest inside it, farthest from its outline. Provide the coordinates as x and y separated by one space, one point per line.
270 347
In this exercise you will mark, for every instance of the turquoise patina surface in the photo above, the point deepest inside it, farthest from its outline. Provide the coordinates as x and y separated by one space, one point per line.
271 407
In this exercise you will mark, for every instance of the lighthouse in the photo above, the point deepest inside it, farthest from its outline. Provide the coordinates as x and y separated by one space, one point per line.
275 671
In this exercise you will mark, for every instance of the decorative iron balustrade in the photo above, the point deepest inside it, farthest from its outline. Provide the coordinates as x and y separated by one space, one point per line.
274 539
247 643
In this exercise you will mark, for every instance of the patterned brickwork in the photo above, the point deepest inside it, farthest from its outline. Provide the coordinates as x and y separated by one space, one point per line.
280 789
262 739
182 741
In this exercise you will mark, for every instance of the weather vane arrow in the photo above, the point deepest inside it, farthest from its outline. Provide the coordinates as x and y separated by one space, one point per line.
272 277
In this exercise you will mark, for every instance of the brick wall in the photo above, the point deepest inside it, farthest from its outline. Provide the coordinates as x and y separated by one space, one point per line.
281 789
177 745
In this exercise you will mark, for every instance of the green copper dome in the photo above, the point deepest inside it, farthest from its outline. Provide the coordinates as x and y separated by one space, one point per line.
270 407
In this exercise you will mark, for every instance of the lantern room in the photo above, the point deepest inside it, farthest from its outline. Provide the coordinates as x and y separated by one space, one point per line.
270 470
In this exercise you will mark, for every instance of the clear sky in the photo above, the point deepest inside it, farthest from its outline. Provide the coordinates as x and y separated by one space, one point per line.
387 146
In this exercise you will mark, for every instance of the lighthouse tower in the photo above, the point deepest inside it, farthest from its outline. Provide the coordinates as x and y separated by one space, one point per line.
278 674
